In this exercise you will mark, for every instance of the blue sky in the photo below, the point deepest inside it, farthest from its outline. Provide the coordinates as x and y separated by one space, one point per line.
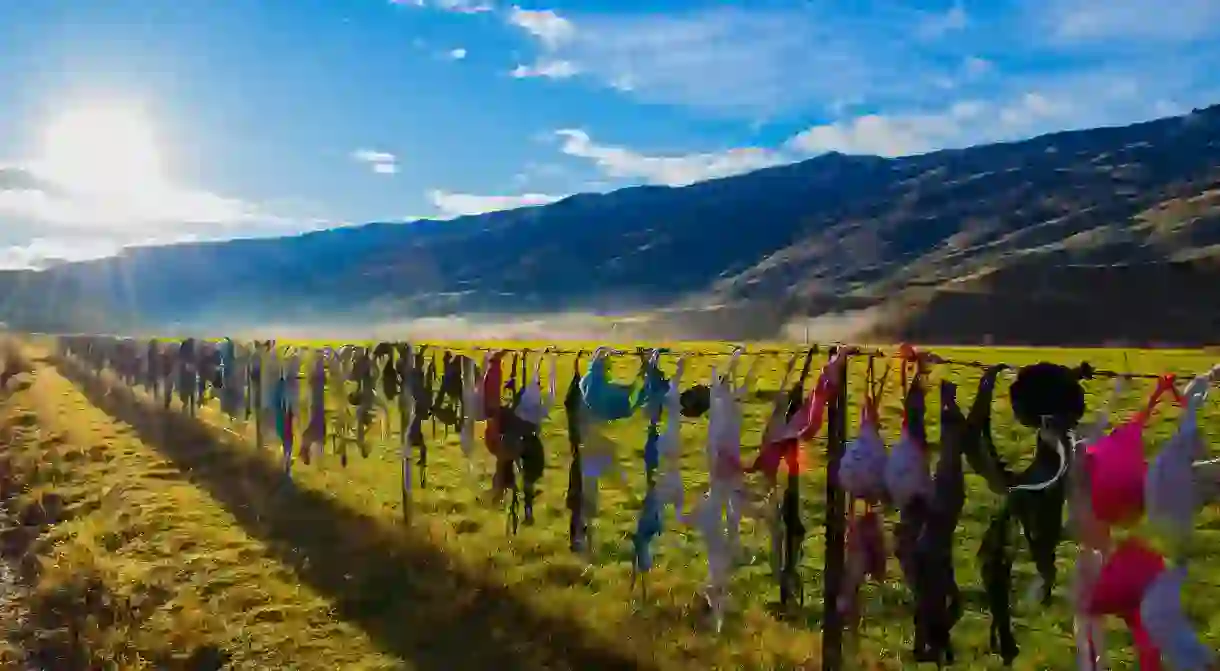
145 121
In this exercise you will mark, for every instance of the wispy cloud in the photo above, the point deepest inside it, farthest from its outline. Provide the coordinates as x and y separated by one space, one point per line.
457 6
621 162
550 28
1075 103
450 204
547 69
380 162
960 124
752 63
1087 21
456 54
464 6
809 58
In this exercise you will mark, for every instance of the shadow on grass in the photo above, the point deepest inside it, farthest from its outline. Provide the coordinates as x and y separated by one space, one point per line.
399 588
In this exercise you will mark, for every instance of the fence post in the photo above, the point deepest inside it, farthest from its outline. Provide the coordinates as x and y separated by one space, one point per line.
406 418
836 533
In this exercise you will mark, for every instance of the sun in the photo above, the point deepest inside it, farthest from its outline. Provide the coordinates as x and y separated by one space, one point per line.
104 148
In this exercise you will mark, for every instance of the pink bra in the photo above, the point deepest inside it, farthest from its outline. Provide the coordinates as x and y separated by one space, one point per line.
1118 467
1127 574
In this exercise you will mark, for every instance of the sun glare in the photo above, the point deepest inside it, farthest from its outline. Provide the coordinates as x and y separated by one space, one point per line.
102 148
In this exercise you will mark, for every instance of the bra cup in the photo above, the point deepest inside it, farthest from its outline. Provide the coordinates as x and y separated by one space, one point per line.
1124 578
1118 473
906 472
1162 617
529 408
1090 531
863 468
1169 488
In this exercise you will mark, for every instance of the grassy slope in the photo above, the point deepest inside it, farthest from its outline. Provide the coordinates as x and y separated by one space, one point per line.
456 592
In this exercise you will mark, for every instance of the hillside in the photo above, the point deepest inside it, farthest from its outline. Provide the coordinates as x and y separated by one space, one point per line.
943 246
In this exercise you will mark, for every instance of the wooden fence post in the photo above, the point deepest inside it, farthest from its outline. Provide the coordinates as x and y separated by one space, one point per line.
836 522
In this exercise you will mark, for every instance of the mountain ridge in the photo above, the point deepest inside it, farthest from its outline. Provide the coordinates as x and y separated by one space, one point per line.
835 233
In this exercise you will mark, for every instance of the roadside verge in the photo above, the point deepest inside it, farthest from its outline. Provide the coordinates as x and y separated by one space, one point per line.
130 565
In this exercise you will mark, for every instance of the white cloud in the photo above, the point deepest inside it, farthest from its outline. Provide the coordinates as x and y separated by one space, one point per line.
42 252
906 134
380 162
974 66
458 6
961 124
373 156
1145 20
461 204
464 6
669 170
547 69
775 60
457 54
549 27
730 60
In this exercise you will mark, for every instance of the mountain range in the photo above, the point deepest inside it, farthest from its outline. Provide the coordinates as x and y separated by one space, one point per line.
1074 238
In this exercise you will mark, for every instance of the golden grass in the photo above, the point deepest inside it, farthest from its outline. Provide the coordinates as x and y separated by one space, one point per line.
132 566
203 528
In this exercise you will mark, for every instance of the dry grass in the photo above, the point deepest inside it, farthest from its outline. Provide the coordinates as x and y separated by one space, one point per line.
193 545
132 566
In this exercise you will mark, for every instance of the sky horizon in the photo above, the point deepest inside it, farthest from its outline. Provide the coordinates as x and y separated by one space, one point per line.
135 122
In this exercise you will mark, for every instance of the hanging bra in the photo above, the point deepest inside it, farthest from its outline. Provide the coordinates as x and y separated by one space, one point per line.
863 466
472 406
533 407
724 422
1167 627
906 470
1118 467
1169 488
603 402
1172 498
574 498
803 422
490 390
1043 395
938 598
909 482
670 490
1120 588
656 388
607 401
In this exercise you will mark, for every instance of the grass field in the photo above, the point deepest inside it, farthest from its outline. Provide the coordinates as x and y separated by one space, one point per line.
166 541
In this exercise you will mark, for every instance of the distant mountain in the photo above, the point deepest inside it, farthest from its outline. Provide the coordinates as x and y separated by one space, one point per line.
1083 236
